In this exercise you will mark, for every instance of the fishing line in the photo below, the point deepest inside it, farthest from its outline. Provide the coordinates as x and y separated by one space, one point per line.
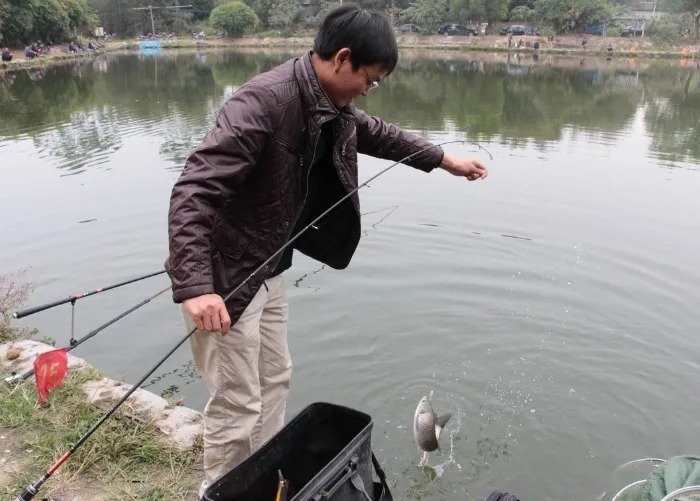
32 489
364 234
374 226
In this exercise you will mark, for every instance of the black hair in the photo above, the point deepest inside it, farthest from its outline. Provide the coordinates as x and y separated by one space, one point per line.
368 34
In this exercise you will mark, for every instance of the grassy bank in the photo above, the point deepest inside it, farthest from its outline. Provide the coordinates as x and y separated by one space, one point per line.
567 44
561 45
126 458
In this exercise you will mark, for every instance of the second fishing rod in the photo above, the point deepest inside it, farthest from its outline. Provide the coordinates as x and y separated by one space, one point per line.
74 343
31 490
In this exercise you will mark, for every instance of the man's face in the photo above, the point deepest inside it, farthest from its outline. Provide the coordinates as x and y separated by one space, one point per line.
347 82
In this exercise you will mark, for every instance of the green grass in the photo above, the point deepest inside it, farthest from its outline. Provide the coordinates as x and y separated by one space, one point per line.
123 459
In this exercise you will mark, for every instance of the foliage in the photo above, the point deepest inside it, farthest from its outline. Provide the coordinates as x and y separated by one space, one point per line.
491 11
522 13
666 29
567 15
262 9
26 21
325 6
201 9
233 18
81 18
693 8
129 18
51 20
613 31
16 22
425 13
13 294
284 13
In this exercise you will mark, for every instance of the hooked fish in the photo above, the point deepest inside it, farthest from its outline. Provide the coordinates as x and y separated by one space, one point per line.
427 427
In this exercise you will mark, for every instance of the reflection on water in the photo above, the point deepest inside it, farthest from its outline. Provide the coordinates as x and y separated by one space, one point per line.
551 308
80 112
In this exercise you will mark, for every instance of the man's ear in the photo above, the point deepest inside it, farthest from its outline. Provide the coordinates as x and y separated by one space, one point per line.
340 58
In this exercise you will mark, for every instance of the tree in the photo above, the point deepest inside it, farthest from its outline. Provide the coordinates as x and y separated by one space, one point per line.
567 15
283 13
201 9
233 18
426 13
51 21
523 12
490 10
15 22
261 8
80 17
688 6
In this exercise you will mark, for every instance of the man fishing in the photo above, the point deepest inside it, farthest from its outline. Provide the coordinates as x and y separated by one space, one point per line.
283 150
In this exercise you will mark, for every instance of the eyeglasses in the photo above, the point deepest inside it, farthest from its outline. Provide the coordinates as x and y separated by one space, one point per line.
373 84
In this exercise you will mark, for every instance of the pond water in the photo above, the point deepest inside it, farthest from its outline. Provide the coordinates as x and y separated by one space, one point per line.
551 308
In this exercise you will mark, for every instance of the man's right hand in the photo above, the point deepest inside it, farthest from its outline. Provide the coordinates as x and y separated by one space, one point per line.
209 313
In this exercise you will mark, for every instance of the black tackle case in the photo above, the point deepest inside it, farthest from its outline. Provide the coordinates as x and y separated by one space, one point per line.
324 453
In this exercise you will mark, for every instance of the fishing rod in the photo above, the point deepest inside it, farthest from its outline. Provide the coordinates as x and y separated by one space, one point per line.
75 343
72 299
32 489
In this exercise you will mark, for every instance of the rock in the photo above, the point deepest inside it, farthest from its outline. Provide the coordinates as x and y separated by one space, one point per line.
13 353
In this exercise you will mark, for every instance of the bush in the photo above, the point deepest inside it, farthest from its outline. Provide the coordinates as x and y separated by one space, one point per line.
283 13
234 18
24 21
613 31
13 293
665 29
51 21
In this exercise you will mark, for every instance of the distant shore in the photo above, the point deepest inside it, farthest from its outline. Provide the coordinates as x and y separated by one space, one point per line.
568 45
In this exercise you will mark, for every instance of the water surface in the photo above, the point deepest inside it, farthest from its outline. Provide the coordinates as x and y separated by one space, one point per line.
551 307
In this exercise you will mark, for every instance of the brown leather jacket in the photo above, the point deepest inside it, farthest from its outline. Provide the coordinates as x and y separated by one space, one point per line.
242 190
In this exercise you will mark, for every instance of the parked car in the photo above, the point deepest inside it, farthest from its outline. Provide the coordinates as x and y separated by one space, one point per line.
519 29
629 31
456 30
599 28
408 28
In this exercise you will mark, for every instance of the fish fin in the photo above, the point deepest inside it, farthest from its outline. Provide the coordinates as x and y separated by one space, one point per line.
441 421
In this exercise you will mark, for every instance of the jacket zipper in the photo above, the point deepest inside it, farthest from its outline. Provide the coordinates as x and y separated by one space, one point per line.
306 192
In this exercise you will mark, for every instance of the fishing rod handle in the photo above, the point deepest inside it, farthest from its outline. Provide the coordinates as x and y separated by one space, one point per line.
28 494
16 377
36 309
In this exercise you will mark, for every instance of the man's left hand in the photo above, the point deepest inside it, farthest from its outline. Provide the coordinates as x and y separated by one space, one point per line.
471 168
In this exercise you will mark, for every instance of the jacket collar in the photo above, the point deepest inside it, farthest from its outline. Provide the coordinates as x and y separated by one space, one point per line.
318 105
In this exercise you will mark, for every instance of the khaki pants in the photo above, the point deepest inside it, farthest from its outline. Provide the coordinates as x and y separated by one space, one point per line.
247 373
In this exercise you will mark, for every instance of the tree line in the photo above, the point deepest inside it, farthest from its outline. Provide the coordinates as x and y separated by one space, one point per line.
23 21
26 21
